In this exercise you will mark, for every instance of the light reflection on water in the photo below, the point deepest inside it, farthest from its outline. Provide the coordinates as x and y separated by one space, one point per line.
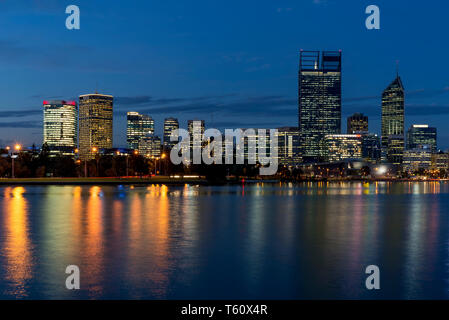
262 241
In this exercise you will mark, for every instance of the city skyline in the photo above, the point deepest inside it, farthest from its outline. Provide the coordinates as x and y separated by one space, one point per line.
237 82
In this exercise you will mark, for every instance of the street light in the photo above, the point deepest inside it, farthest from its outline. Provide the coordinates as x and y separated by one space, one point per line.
163 156
95 150
17 147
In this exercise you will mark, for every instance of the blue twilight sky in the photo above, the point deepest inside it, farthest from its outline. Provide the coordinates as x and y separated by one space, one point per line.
231 63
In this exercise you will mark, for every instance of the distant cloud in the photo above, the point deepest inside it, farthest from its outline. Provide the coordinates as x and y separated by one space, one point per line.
21 124
147 100
248 124
420 93
19 113
268 105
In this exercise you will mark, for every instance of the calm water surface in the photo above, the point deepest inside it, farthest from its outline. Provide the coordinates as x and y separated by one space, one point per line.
271 241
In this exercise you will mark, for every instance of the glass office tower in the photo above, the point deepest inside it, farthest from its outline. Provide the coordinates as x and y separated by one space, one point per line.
393 122
138 127
61 126
170 125
319 101
95 124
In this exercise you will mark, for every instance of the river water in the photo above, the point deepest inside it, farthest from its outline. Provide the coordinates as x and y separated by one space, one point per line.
258 241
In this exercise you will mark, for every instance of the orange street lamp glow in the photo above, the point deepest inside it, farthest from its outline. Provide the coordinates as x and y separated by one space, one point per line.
163 156
18 147
136 152
76 150
8 148
94 149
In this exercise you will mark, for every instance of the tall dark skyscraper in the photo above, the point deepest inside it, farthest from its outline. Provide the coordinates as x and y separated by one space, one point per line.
393 122
358 122
319 101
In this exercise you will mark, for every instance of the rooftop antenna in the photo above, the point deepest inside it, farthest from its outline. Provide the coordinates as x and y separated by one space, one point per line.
397 68
96 88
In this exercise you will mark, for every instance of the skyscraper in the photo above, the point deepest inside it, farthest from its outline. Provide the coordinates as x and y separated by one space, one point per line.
288 146
61 126
420 135
357 123
95 121
138 127
319 88
170 124
196 130
393 122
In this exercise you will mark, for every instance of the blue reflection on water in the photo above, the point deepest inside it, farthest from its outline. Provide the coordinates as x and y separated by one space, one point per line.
264 241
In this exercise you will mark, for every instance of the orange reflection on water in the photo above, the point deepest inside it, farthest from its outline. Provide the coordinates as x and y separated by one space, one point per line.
149 234
17 249
93 248
159 227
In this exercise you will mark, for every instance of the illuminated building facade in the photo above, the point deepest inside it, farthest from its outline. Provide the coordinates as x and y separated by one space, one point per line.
196 130
150 146
420 135
319 93
393 122
416 159
395 149
170 125
288 146
440 161
138 126
357 123
95 124
61 126
340 147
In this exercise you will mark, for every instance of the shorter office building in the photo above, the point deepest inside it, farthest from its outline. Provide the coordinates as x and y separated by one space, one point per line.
357 123
371 150
440 161
150 146
288 146
339 147
417 159
422 135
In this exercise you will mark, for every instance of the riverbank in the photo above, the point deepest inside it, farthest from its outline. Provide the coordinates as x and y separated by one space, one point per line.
105 181
179 180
